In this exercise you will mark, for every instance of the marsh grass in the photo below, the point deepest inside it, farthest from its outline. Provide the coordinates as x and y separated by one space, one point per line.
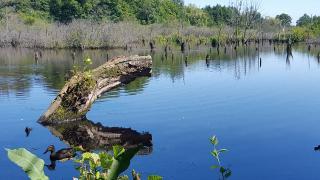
87 34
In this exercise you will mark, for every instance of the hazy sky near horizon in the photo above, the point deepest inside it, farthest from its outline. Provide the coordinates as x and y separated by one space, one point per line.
295 8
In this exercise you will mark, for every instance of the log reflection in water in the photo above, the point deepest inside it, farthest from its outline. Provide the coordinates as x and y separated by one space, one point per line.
95 136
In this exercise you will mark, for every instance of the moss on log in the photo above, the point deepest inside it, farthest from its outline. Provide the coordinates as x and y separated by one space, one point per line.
76 97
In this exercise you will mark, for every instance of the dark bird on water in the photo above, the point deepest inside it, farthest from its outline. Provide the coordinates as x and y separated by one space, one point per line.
317 148
28 131
66 153
51 166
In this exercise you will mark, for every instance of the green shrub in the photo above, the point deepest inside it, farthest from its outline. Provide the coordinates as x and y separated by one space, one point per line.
299 34
75 39
29 20
214 42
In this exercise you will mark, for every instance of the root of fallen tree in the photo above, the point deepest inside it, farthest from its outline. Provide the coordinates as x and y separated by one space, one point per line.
78 94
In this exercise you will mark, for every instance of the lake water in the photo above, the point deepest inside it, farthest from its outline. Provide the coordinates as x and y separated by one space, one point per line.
265 113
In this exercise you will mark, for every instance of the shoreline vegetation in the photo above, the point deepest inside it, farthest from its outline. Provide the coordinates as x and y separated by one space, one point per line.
148 24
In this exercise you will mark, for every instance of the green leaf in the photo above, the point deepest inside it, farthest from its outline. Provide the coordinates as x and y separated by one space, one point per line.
121 161
154 177
214 140
98 175
222 150
215 153
106 160
30 163
95 158
117 150
78 148
123 178
86 155
222 170
215 167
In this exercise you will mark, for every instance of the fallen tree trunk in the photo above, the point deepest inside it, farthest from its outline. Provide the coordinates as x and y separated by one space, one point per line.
78 94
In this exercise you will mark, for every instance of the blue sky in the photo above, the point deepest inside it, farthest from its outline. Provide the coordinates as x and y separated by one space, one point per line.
295 8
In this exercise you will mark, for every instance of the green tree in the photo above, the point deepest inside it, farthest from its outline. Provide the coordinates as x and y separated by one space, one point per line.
117 10
65 10
40 5
195 16
285 19
219 14
168 11
146 11
179 2
23 5
304 20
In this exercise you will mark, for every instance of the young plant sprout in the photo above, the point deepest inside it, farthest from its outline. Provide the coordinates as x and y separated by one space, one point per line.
224 172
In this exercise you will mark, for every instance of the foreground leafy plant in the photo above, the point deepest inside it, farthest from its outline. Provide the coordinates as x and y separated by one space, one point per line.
105 166
154 177
93 166
224 172
136 176
96 166
30 163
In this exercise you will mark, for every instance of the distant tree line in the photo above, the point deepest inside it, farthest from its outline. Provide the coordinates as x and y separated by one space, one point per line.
307 29
143 11
240 22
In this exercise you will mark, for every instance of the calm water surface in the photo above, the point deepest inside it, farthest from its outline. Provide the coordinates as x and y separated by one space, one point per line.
266 114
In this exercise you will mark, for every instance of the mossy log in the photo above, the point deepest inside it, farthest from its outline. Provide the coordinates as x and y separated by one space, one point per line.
77 95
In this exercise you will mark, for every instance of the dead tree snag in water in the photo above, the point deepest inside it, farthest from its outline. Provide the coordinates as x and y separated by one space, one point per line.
76 97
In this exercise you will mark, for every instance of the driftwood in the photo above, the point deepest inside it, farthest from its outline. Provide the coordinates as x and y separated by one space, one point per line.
78 94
